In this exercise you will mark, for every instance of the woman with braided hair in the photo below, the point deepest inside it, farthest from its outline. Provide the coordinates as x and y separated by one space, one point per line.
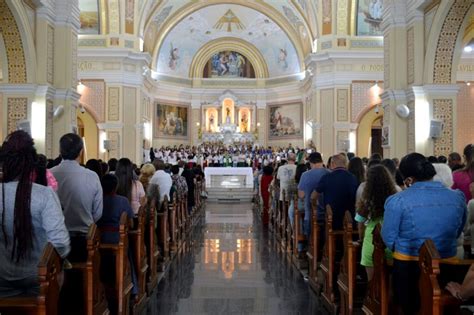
31 217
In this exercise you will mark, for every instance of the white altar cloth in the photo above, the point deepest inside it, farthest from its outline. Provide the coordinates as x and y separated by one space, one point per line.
229 171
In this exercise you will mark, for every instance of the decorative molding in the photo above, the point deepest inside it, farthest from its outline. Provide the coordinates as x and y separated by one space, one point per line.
50 55
74 60
411 55
13 44
114 16
94 98
386 58
342 104
411 141
92 42
17 109
49 128
366 43
443 110
114 104
445 49
342 17
115 151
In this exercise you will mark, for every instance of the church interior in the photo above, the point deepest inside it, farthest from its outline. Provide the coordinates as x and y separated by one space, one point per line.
252 78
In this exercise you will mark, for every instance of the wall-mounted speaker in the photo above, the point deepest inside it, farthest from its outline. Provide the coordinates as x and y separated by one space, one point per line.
24 125
108 145
436 128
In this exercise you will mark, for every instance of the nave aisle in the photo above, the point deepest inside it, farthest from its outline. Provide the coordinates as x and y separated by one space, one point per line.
232 267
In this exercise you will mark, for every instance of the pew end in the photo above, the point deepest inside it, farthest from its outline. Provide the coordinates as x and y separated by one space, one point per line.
46 302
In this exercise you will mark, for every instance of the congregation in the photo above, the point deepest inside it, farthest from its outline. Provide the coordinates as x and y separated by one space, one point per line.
412 200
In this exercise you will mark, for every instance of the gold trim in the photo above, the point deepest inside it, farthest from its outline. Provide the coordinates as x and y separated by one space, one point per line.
259 6
306 22
228 43
352 17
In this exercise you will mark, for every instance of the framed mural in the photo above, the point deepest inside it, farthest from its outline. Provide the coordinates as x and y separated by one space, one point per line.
369 17
89 17
285 121
171 121
228 64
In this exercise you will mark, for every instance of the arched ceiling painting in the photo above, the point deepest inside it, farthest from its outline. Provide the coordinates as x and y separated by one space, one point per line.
226 20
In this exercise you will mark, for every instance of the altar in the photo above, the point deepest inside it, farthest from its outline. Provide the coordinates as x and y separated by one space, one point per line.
228 120
229 177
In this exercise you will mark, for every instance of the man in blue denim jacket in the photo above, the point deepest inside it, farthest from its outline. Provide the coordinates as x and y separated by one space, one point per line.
426 210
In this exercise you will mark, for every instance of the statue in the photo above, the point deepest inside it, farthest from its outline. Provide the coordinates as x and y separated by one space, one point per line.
244 123
227 120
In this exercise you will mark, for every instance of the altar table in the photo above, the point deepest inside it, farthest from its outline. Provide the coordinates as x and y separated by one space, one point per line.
230 177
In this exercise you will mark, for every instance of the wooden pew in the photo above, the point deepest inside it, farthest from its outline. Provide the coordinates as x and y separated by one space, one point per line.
297 232
329 264
289 228
163 234
137 241
151 243
119 289
351 291
283 220
46 303
435 299
377 299
94 298
313 248
173 224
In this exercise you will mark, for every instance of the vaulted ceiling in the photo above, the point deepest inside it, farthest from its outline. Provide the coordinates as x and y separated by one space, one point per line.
276 28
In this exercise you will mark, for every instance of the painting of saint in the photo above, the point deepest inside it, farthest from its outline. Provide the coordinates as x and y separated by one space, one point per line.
369 17
285 121
174 57
228 64
282 59
89 17
171 121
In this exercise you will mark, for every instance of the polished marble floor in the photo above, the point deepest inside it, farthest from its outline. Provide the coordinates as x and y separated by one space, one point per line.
231 266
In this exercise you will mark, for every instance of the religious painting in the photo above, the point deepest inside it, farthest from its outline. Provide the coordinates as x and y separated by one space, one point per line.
285 121
327 17
229 64
171 121
89 17
244 120
369 17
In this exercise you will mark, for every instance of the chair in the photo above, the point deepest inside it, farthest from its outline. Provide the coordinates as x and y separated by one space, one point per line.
313 248
46 303
119 288
377 299
329 264
435 299
137 241
349 269
95 301
153 252
163 233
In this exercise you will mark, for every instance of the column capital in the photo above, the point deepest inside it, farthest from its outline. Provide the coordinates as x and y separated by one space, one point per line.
441 89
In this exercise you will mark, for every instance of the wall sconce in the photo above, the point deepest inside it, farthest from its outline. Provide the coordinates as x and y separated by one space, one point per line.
198 124
258 124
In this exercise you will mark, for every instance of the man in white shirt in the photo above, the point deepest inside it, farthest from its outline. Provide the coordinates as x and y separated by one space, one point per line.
286 174
162 179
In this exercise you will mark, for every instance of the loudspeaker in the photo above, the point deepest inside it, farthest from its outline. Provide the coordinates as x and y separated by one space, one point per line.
108 145
343 146
436 128
24 125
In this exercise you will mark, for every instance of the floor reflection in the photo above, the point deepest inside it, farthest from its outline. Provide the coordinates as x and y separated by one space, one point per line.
231 267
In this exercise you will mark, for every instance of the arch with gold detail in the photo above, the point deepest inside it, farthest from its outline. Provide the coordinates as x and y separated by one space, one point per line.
233 44
174 19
